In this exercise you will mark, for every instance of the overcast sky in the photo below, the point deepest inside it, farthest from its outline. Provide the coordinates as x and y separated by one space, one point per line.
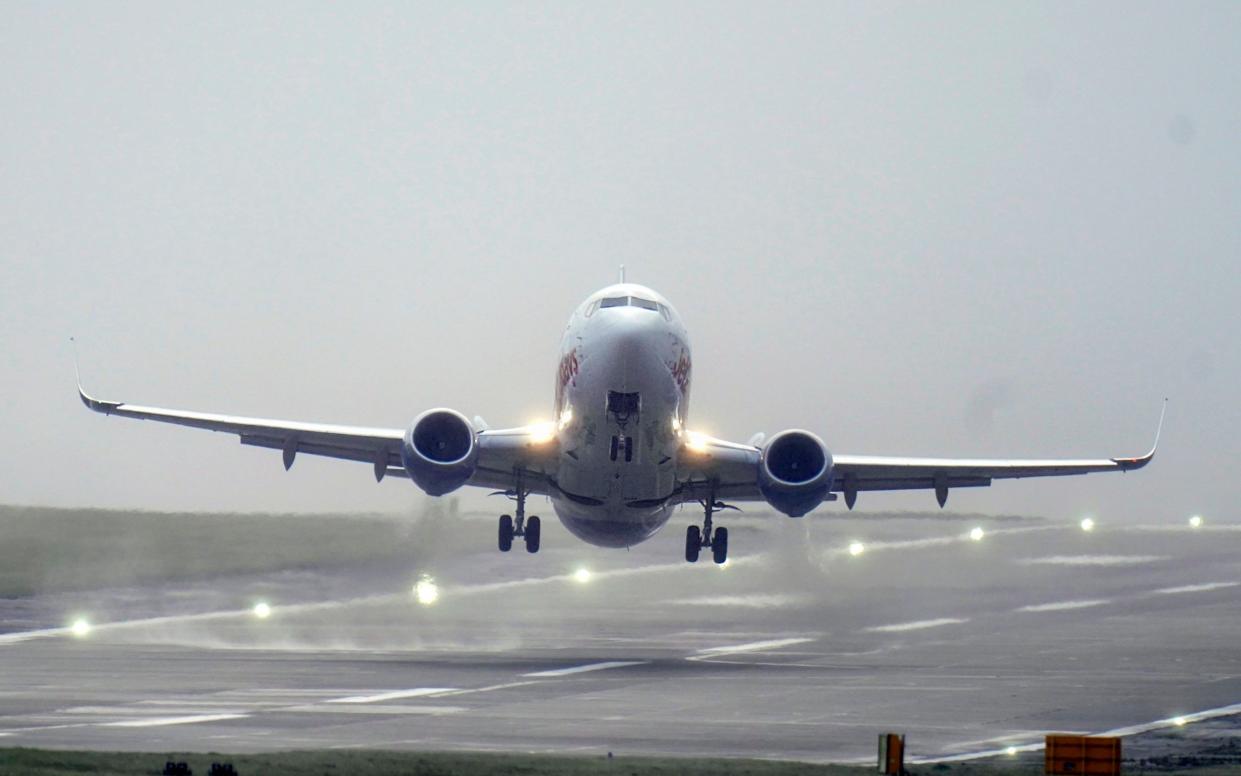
992 229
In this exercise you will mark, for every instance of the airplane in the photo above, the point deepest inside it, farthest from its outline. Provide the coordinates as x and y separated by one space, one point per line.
618 458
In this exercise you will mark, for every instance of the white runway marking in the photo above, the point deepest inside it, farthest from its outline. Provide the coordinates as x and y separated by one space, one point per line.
901 627
585 668
1195 588
1092 560
753 646
381 708
488 688
1160 724
1060 606
753 601
392 695
160 721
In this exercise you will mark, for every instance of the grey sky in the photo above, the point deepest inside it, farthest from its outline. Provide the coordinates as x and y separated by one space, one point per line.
937 229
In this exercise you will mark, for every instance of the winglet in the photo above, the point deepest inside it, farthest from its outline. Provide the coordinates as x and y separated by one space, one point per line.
91 402
1140 461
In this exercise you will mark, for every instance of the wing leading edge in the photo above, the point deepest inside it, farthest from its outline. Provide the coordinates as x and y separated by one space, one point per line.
731 470
506 456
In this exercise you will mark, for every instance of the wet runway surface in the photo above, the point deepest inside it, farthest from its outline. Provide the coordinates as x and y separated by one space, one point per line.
799 649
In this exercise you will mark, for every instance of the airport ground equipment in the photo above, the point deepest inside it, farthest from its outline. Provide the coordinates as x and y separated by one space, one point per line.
892 754
222 769
1082 756
177 769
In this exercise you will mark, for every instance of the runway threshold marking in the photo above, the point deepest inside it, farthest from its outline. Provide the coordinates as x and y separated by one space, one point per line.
392 695
586 668
161 721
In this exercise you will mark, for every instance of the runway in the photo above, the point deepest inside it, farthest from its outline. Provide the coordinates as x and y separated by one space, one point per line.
799 649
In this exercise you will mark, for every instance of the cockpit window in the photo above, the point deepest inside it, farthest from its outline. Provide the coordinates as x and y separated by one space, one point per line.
629 301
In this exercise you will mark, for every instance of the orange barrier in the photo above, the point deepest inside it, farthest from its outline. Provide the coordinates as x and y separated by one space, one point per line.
892 754
1082 756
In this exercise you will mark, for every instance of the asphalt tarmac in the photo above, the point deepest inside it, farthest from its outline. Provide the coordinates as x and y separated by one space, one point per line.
804 647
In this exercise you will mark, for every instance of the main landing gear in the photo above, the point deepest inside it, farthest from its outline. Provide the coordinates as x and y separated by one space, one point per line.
528 529
698 538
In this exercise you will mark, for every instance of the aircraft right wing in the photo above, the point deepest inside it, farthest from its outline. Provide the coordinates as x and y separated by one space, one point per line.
730 470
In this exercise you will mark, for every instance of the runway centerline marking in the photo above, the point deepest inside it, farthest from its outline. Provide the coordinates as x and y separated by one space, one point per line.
1060 606
1092 560
753 646
489 688
1195 588
586 668
161 721
901 627
392 695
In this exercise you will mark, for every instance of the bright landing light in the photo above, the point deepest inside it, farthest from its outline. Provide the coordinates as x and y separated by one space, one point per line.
977 534
856 549
262 610
695 442
80 627
582 575
1087 524
1179 721
426 591
1195 521
1012 750
542 433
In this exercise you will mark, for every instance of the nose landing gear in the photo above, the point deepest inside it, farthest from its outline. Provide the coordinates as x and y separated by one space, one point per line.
528 529
698 538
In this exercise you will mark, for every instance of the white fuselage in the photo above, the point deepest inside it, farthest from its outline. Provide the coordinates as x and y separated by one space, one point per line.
622 392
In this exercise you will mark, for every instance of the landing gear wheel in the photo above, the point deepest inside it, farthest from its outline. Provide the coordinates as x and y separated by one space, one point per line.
693 543
506 533
533 527
719 545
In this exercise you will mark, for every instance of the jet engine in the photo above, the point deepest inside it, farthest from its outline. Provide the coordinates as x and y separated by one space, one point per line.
440 451
795 472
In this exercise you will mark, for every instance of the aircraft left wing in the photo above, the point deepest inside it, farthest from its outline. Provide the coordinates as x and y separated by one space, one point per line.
505 456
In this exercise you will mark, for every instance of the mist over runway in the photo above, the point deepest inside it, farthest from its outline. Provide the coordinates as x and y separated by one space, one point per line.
816 636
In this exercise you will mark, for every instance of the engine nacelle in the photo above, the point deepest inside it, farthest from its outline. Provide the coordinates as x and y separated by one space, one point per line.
440 451
795 472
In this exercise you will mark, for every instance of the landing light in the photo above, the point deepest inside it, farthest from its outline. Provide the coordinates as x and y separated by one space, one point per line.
1179 721
80 627
977 534
262 610
1195 521
856 549
1087 524
541 433
582 575
426 591
695 442
1011 751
